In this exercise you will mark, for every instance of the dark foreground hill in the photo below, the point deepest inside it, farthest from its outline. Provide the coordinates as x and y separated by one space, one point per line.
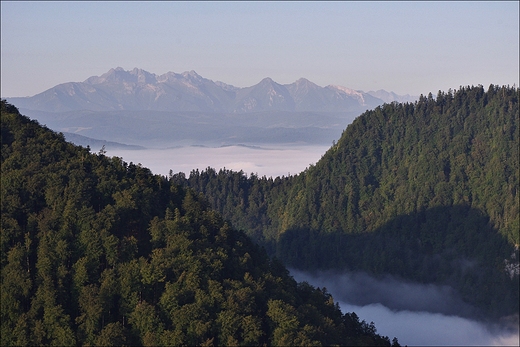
425 191
95 251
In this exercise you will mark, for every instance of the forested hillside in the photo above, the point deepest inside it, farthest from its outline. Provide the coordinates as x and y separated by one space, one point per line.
95 251
426 191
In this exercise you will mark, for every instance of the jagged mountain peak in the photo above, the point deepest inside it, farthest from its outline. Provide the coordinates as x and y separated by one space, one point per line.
193 77
266 85
169 77
119 74
269 84
191 73
138 89
303 80
302 84
144 76
267 81
341 92
345 90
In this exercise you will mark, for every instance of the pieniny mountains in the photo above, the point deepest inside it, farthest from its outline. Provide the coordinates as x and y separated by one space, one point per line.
141 108
95 251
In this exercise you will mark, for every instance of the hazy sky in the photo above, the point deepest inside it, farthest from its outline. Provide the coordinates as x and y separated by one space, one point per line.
405 47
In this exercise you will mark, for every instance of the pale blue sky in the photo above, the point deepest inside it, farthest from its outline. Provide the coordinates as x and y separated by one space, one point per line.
405 47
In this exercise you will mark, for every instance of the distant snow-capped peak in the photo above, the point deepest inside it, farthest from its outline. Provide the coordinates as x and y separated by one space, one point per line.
351 92
347 90
192 76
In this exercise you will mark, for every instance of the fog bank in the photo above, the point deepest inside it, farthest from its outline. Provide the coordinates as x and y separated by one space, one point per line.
417 314
282 160
361 289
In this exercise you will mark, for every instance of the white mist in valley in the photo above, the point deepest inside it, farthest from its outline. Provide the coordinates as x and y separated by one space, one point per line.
417 314
271 161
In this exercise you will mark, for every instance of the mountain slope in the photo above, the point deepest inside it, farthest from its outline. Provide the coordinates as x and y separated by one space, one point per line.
95 251
425 191
132 90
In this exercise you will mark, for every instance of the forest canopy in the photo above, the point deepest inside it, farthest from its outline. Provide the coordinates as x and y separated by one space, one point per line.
426 191
96 251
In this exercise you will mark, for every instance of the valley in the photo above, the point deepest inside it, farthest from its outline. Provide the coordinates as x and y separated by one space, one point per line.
424 192
268 173
269 160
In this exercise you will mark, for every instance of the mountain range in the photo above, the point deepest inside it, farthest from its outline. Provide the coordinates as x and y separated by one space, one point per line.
140 90
140 108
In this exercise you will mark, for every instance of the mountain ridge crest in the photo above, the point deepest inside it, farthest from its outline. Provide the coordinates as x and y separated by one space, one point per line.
138 89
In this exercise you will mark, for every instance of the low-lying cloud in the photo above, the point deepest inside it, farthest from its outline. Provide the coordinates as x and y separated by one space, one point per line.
361 289
431 329
272 161
417 314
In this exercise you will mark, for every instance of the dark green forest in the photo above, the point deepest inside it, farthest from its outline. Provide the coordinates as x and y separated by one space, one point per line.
95 251
424 191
